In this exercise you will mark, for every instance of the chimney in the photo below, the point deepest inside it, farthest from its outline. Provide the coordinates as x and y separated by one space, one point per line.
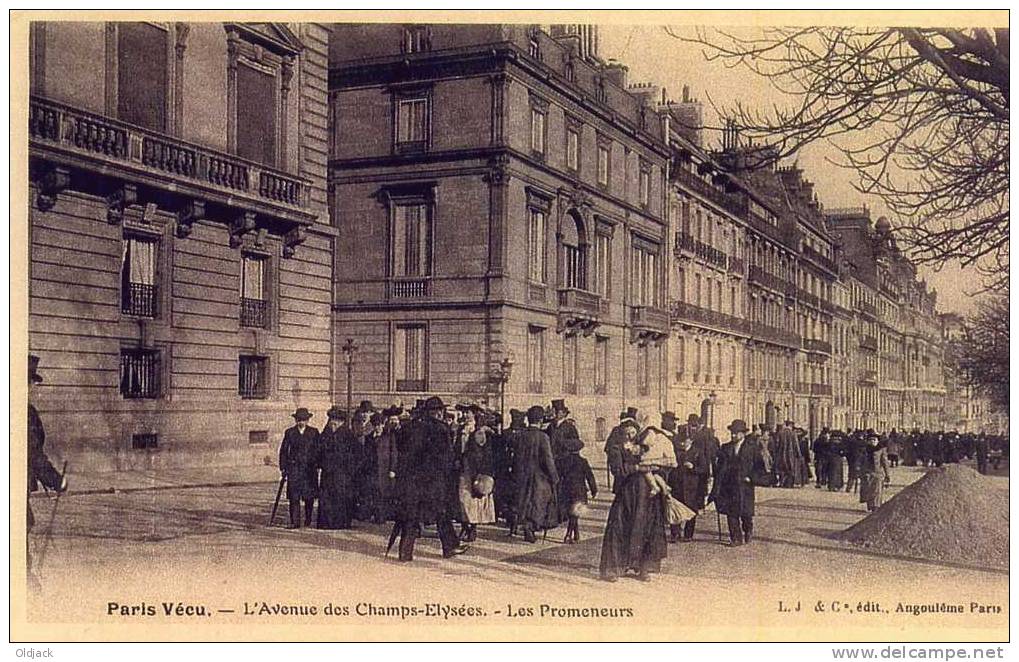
616 73
689 116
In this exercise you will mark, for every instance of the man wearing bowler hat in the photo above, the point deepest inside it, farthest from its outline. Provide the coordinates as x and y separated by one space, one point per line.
298 464
739 463
40 469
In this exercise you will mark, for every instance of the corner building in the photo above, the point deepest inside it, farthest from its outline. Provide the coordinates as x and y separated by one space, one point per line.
180 248
498 192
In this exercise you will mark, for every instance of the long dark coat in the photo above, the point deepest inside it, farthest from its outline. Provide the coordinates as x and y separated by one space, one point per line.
40 469
635 531
367 483
706 444
502 466
559 434
298 462
575 480
341 460
735 476
689 485
426 478
536 478
387 462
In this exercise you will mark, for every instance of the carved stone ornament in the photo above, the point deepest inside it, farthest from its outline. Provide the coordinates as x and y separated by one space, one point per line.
242 224
292 239
193 210
50 185
118 201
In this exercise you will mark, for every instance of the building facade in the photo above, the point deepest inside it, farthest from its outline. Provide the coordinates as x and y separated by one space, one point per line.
499 193
180 249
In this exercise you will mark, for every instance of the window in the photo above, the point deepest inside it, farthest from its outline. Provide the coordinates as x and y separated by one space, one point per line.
138 277
732 301
645 291
573 149
574 247
534 48
536 246
253 299
697 290
253 377
732 365
416 39
603 263
718 294
718 363
144 442
535 359
603 164
256 113
410 357
258 437
570 363
538 127
601 365
600 92
142 74
571 73
680 357
697 359
645 185
707 362
140 373
412 123
411 240
681 285
643 370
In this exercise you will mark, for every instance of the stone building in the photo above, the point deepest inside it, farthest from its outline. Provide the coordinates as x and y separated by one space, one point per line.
499 193
180 247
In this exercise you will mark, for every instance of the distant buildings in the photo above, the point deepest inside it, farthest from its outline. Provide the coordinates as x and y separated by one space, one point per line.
216 208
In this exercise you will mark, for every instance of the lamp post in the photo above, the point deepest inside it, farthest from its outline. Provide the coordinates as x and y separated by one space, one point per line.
505 370
348 350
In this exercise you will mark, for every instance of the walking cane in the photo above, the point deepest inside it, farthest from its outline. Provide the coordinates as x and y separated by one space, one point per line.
276 504
49 529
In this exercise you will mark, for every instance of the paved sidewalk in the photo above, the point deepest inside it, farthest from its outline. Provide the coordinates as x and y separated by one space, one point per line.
165 479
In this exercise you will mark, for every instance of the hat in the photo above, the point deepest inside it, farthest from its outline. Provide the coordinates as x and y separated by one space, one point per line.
33 367
630 413
536 414
366 405
336 413
572 445
433 403
669 416
395 410
738 425
560 405
695 419
302 414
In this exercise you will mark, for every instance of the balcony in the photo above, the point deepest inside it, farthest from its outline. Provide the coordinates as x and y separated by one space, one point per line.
410 288
70 137
737 265
820 389
868 342
761 331
686 312
686 243
868 309
803 388
868 377
649 323
689 180
808 298
579 310
761 277
817 258
139 300
813 345
254 313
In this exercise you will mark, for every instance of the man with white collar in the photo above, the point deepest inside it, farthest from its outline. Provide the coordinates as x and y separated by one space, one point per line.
738 464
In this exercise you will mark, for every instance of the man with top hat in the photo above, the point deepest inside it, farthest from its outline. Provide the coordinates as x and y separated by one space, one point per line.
341 460
562 431
40 469
299 466
536 478
738 466
426 480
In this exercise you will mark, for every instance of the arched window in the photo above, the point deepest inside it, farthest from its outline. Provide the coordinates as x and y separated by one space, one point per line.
574 252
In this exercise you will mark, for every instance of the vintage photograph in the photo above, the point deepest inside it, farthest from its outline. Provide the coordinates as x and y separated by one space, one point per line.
425 327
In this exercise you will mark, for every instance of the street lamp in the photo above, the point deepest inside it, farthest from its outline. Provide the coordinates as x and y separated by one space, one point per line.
348 350
505 370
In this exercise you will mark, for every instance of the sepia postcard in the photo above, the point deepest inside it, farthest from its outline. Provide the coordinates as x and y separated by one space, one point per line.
510 326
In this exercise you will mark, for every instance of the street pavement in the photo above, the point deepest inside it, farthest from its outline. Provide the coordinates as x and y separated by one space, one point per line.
208 544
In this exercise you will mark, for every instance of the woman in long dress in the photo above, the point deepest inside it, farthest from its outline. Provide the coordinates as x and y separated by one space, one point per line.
476 501
873 473
635 532
836 463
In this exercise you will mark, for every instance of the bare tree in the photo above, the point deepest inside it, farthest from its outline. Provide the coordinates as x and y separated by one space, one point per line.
922 115
981 357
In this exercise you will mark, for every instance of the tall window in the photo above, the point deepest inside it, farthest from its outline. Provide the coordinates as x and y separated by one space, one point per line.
253 377
534 48
535 359
645 276
603 263
603 164
536 246
416 39
539 118
718 294
732 301
681 284
410 357
732 365
707 362
142 74
645 185
697 359
643 370
680 357
573 148
139 373
256 114
570 363
138 277
718 363
574 256
411 241
253 299
697 290
601 365
412 123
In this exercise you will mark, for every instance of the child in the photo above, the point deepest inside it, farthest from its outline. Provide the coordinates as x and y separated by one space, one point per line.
656 452
575 478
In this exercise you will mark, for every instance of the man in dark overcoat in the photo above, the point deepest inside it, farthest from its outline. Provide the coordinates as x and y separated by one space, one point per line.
980 450
502 457
340 459
426 479
562 431
689 479
739 463
536 478
299 466
40 470
706 443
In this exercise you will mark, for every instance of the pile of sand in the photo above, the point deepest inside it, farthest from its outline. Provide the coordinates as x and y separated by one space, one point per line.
951 514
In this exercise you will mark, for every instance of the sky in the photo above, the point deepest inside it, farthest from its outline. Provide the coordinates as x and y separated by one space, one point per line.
653 56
